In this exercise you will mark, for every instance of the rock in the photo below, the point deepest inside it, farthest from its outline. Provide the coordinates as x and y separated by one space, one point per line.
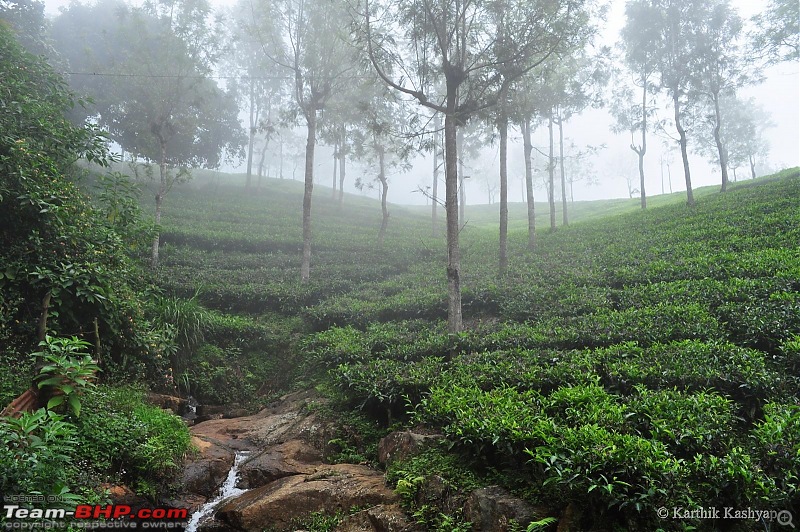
381 518
491 509
329 488
124 495
211 410
178 405
291 458
204 473
231 413
402 445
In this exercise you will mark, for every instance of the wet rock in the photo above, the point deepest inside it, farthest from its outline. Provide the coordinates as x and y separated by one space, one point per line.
291 458
492 509
203 473
403 444
380 518
329 488
178 405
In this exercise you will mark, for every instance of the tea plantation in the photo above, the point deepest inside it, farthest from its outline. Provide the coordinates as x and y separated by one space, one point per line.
634 361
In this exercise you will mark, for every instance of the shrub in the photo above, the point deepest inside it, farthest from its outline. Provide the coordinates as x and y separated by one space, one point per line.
37 454
688 423
776 444
121 436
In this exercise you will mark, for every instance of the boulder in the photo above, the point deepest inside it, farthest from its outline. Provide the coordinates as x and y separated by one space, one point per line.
178 405
380 518
492 509
329 488
286 459
403 444
204 473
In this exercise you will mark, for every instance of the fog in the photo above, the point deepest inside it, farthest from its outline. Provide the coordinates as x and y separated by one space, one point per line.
606 168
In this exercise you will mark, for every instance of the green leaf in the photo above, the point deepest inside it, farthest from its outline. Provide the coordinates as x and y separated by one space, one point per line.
55 401
75 404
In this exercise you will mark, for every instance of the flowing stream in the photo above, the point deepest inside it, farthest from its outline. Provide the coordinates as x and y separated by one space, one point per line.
226 491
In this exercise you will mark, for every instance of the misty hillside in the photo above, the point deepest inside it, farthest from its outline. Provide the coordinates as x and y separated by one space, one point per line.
650 354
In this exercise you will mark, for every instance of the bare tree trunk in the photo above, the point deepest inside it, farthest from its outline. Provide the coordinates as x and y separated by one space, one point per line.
435 184
684 153
311 121
528 151
252 138
342 165
454 320
335 157
262 160
551 177
502 126
643 148
752 165
384 193
462 193
162 190
41 331
723 158
564 217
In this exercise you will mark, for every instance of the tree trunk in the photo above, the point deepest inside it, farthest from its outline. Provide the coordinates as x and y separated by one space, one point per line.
723 158
462 193
551 177
335 161
752 165
252 138
502 126
261 161
684 153
384 193
564 217
435 184
342 164
643 148
454 320
311 122
162 190
528 151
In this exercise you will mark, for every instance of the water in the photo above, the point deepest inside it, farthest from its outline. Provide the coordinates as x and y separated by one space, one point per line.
226 491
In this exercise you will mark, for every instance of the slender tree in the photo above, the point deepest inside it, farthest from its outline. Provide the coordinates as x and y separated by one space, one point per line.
454 41
314 48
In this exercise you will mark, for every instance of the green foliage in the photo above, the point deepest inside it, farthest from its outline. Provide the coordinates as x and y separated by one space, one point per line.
121 436
624 364
410 476
776 441
37 454
67 371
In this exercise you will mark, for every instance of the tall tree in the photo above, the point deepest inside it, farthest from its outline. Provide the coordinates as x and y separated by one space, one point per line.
380 141
641 60
720 68
314 47
674 25
453 41
260 89
741 133
155 94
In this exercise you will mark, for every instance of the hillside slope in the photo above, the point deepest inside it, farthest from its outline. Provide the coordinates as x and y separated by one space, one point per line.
636 361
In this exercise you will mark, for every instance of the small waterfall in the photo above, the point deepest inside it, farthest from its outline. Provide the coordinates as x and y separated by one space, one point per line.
226 491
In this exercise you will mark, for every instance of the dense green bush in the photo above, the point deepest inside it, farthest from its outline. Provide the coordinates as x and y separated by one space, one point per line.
121 437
